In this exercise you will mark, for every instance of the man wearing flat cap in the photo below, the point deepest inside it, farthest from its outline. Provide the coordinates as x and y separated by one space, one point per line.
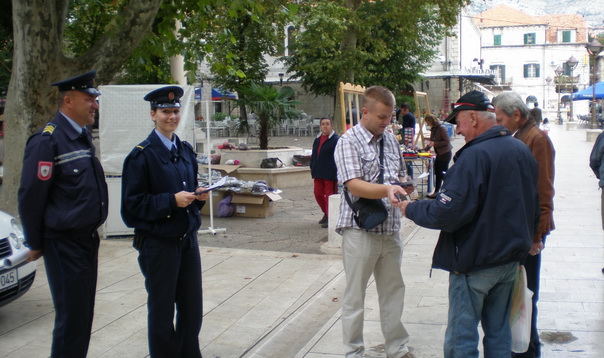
487 211
62 202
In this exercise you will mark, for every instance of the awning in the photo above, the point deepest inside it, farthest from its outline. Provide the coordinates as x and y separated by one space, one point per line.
476 78
220 94
588 92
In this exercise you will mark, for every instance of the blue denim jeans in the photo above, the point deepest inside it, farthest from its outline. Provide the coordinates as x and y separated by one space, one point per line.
482 296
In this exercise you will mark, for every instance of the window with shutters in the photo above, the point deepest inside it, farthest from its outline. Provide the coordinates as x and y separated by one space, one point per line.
530 38
566 36
531 70
497 40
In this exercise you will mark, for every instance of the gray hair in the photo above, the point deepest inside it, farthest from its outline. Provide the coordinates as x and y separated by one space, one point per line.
509 101
486 116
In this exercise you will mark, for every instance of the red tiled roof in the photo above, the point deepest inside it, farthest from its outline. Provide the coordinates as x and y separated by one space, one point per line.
503 15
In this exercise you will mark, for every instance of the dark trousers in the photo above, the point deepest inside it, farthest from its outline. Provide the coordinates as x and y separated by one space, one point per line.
533 274
172 270
71 267
441 165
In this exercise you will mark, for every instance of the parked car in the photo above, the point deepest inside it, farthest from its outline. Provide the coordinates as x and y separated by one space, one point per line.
16 274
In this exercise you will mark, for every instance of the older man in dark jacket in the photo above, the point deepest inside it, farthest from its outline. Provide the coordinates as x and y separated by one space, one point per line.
487 211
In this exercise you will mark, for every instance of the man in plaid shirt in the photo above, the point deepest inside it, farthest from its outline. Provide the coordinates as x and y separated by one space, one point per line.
377 251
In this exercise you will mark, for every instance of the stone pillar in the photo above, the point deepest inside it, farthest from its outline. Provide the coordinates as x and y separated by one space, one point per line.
334 240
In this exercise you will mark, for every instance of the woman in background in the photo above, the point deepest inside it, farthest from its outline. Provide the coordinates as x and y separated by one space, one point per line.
323 167
439 140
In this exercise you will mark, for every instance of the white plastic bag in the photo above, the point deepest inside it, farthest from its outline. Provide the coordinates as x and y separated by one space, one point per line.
521 313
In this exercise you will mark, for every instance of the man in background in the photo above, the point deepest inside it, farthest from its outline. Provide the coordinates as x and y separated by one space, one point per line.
512 113
536 115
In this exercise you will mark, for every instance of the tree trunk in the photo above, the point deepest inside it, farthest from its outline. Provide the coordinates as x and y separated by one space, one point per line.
263 135
38 61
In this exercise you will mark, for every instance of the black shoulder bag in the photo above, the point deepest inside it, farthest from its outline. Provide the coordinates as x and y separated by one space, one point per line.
369 213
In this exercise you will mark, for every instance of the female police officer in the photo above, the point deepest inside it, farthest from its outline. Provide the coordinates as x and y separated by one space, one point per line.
159 180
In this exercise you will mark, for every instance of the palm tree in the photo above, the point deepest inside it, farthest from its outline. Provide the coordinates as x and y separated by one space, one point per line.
271 106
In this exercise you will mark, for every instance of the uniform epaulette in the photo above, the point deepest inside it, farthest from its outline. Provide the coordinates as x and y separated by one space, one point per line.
49 129
140 147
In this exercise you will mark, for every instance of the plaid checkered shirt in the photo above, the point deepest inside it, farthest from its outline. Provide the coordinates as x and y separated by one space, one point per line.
358 156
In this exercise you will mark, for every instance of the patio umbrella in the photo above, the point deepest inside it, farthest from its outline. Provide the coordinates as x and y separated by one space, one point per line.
588 92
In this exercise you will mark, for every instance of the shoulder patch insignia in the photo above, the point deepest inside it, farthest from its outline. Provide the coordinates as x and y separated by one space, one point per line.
49 129
44 170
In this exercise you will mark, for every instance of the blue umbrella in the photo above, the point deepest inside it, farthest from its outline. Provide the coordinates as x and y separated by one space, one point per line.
588 92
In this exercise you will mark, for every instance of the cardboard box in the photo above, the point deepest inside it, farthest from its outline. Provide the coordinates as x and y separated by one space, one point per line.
216 195
255 206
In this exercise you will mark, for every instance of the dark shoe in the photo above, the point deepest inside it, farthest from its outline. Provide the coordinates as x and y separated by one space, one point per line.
324 220
325 225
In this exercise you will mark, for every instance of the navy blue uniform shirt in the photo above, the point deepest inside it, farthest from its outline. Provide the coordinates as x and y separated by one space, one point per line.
150 178
63 190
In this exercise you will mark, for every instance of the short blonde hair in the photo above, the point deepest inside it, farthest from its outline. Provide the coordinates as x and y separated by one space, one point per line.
378 94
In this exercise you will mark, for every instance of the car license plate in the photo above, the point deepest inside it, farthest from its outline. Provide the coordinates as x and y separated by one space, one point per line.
8 279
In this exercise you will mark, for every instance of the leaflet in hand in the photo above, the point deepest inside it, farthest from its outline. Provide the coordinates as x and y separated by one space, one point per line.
216 185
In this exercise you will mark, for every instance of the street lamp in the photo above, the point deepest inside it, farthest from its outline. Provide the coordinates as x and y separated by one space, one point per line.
559 72
594 48
572 63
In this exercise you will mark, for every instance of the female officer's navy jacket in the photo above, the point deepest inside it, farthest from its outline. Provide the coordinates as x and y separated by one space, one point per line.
488 207
150 178
323 165
63 190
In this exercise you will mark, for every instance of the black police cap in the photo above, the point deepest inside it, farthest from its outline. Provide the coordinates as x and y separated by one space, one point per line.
165 97
471 101
83 83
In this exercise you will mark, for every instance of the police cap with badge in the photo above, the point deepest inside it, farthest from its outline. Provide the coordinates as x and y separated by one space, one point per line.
83 83
165 97
471 101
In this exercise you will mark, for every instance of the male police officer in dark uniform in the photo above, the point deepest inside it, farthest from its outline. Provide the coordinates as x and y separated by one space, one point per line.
62 202
159 200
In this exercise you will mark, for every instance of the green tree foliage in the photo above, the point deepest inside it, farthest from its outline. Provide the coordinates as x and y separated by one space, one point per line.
386 42
150 61
240 38
270 104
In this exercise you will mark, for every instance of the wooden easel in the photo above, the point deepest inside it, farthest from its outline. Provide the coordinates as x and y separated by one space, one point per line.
420 116
349 94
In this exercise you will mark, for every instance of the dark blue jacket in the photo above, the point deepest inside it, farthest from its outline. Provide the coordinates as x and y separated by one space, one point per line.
323 166
63 190
488 207
149 181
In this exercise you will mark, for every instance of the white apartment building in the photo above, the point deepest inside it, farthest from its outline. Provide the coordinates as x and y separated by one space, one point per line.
523 51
